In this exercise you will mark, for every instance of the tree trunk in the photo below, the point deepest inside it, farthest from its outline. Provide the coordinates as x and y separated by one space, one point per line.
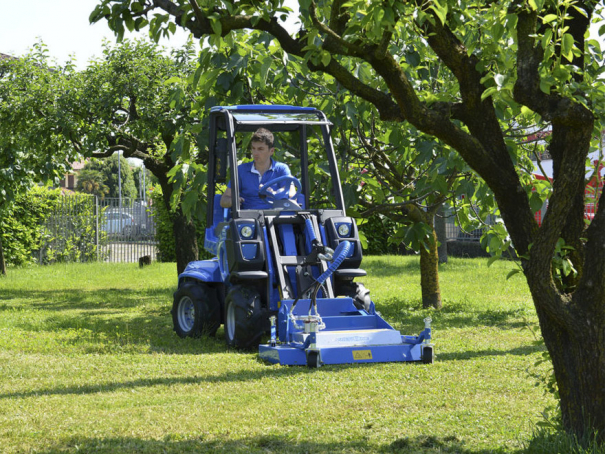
429 273
429 258
185 236
441 234
185 233
2 262
578 359
570 311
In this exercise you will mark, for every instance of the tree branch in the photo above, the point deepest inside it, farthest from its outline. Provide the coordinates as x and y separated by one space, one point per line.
196 10
339 17
339 44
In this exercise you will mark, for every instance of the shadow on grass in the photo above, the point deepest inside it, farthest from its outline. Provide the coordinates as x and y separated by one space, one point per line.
102 321
461 356
70 299
505 319
226 377
412 317
425 444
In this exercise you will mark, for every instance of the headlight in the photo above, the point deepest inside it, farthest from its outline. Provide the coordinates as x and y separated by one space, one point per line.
344 229
246 231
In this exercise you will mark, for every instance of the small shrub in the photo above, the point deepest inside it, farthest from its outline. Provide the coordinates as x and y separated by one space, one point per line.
69 233
164 231
377 230
546 440
39 228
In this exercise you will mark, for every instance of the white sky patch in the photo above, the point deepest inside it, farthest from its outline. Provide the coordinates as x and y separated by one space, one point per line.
63 26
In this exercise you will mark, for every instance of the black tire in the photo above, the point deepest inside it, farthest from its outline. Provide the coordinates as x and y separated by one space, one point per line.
359 293
245 321
427 355
195 310
313 359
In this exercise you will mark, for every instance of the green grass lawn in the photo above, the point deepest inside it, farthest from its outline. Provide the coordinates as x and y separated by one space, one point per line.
89 363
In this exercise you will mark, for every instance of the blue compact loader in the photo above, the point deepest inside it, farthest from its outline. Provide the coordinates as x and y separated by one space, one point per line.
287 273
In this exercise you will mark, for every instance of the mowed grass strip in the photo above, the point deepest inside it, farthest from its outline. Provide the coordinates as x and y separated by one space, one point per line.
89 363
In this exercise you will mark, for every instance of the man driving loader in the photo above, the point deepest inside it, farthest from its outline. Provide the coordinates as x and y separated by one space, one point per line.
255 174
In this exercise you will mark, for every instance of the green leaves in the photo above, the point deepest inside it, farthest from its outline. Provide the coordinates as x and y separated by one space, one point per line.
567 44
31 149
440 10
417 236
215 23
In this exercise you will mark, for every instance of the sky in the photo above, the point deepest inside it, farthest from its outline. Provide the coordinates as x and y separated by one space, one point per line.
63 26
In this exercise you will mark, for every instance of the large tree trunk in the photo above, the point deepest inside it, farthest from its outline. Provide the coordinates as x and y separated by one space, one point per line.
185 233
570 310
183 228
578 358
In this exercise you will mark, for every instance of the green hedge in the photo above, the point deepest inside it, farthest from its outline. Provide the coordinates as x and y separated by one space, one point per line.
377 230
36 229
20 227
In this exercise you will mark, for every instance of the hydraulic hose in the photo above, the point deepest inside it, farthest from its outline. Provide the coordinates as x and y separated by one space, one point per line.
310 229
340 254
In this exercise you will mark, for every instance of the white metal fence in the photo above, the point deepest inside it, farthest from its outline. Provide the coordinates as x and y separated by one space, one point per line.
85 228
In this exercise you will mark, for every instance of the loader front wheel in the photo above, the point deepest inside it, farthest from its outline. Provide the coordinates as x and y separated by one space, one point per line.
195 310
357 291
244 318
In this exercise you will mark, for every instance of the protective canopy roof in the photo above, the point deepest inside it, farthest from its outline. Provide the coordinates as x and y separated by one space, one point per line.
288 117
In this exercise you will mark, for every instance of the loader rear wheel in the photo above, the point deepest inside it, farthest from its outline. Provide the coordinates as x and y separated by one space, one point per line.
195 310
244 318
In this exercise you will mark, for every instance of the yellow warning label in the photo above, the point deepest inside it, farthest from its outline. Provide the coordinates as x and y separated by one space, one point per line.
362 354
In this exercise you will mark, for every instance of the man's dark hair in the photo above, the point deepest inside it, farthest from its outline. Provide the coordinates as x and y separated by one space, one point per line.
263 135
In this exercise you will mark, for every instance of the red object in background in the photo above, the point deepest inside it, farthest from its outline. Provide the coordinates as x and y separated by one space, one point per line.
594 189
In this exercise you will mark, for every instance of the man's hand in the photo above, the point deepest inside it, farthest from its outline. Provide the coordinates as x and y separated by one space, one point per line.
269 190
226 201
273 192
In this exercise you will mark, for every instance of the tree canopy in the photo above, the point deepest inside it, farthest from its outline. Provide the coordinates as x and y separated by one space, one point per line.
92 182
107 169
123 102
27 155
503 65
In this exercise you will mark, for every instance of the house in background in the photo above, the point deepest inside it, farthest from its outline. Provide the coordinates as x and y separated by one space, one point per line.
595 181
68 184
